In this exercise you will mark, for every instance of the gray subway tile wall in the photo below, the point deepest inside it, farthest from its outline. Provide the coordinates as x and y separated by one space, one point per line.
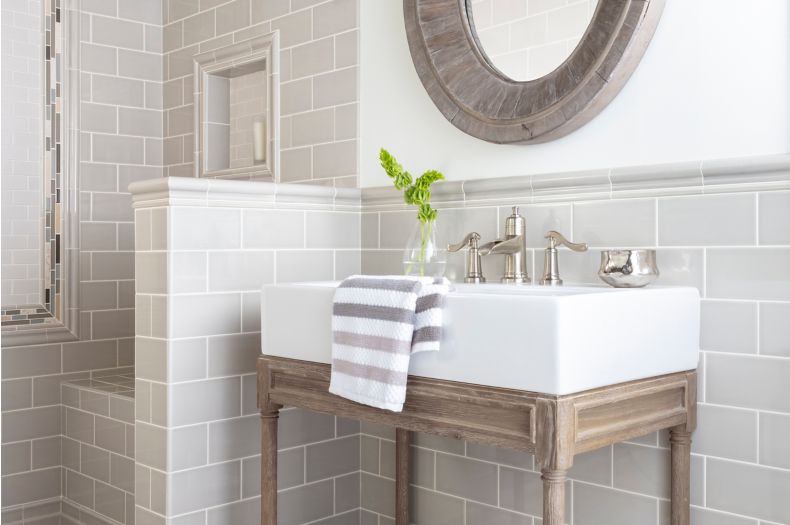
318 80
121 130
197 371
139 102
121 125
733 248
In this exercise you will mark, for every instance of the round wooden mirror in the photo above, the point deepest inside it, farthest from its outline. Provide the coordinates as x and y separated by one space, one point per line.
481 101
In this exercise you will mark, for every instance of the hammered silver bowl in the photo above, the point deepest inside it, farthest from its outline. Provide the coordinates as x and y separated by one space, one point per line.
628 268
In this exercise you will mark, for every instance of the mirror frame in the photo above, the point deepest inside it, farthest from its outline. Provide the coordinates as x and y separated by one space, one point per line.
479 100
57 318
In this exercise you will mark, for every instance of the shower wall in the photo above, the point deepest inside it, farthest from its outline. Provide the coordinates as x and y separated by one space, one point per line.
318 80
121 142
126 53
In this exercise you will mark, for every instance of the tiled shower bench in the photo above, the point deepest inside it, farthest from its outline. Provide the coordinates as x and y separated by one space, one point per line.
552 427
98 449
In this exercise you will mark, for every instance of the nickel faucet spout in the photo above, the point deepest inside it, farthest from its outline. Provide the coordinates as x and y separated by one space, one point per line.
513 247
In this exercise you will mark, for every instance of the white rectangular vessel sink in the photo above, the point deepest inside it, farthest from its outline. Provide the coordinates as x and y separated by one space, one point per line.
553 340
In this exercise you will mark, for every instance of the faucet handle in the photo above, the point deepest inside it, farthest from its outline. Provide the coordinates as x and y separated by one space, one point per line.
557 239
551 265
470 240
474 267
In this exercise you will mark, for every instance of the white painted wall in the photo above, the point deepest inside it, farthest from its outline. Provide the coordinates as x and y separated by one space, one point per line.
714 83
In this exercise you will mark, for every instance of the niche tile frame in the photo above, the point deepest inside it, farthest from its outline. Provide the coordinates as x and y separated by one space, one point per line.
240 55
57 318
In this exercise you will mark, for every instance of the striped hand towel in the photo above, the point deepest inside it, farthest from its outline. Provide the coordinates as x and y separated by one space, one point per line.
377 323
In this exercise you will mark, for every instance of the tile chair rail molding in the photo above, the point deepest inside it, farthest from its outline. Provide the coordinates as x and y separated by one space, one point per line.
56 318
758 173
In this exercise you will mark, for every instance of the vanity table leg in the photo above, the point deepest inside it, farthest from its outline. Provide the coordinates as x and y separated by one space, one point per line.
680 441
402 444
269 466
554 496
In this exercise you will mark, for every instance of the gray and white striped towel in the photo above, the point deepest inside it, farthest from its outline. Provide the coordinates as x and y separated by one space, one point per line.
377 323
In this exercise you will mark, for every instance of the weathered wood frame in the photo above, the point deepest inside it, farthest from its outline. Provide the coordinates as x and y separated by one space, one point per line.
554 428
479 100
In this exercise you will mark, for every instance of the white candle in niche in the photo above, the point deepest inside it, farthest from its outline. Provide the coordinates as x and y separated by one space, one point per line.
259 140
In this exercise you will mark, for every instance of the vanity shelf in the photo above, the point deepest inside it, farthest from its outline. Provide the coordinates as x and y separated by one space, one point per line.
553 427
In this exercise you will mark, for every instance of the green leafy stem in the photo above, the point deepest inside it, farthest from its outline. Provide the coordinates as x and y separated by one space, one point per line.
417 192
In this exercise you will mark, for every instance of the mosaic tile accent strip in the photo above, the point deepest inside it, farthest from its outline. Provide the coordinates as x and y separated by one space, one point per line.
53 223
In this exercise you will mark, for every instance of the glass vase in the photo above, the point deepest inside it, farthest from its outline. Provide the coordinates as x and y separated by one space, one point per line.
422 256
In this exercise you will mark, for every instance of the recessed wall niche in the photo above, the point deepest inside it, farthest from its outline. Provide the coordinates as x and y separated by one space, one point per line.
237 122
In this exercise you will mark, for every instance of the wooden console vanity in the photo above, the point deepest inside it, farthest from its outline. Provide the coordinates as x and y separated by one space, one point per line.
553 428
